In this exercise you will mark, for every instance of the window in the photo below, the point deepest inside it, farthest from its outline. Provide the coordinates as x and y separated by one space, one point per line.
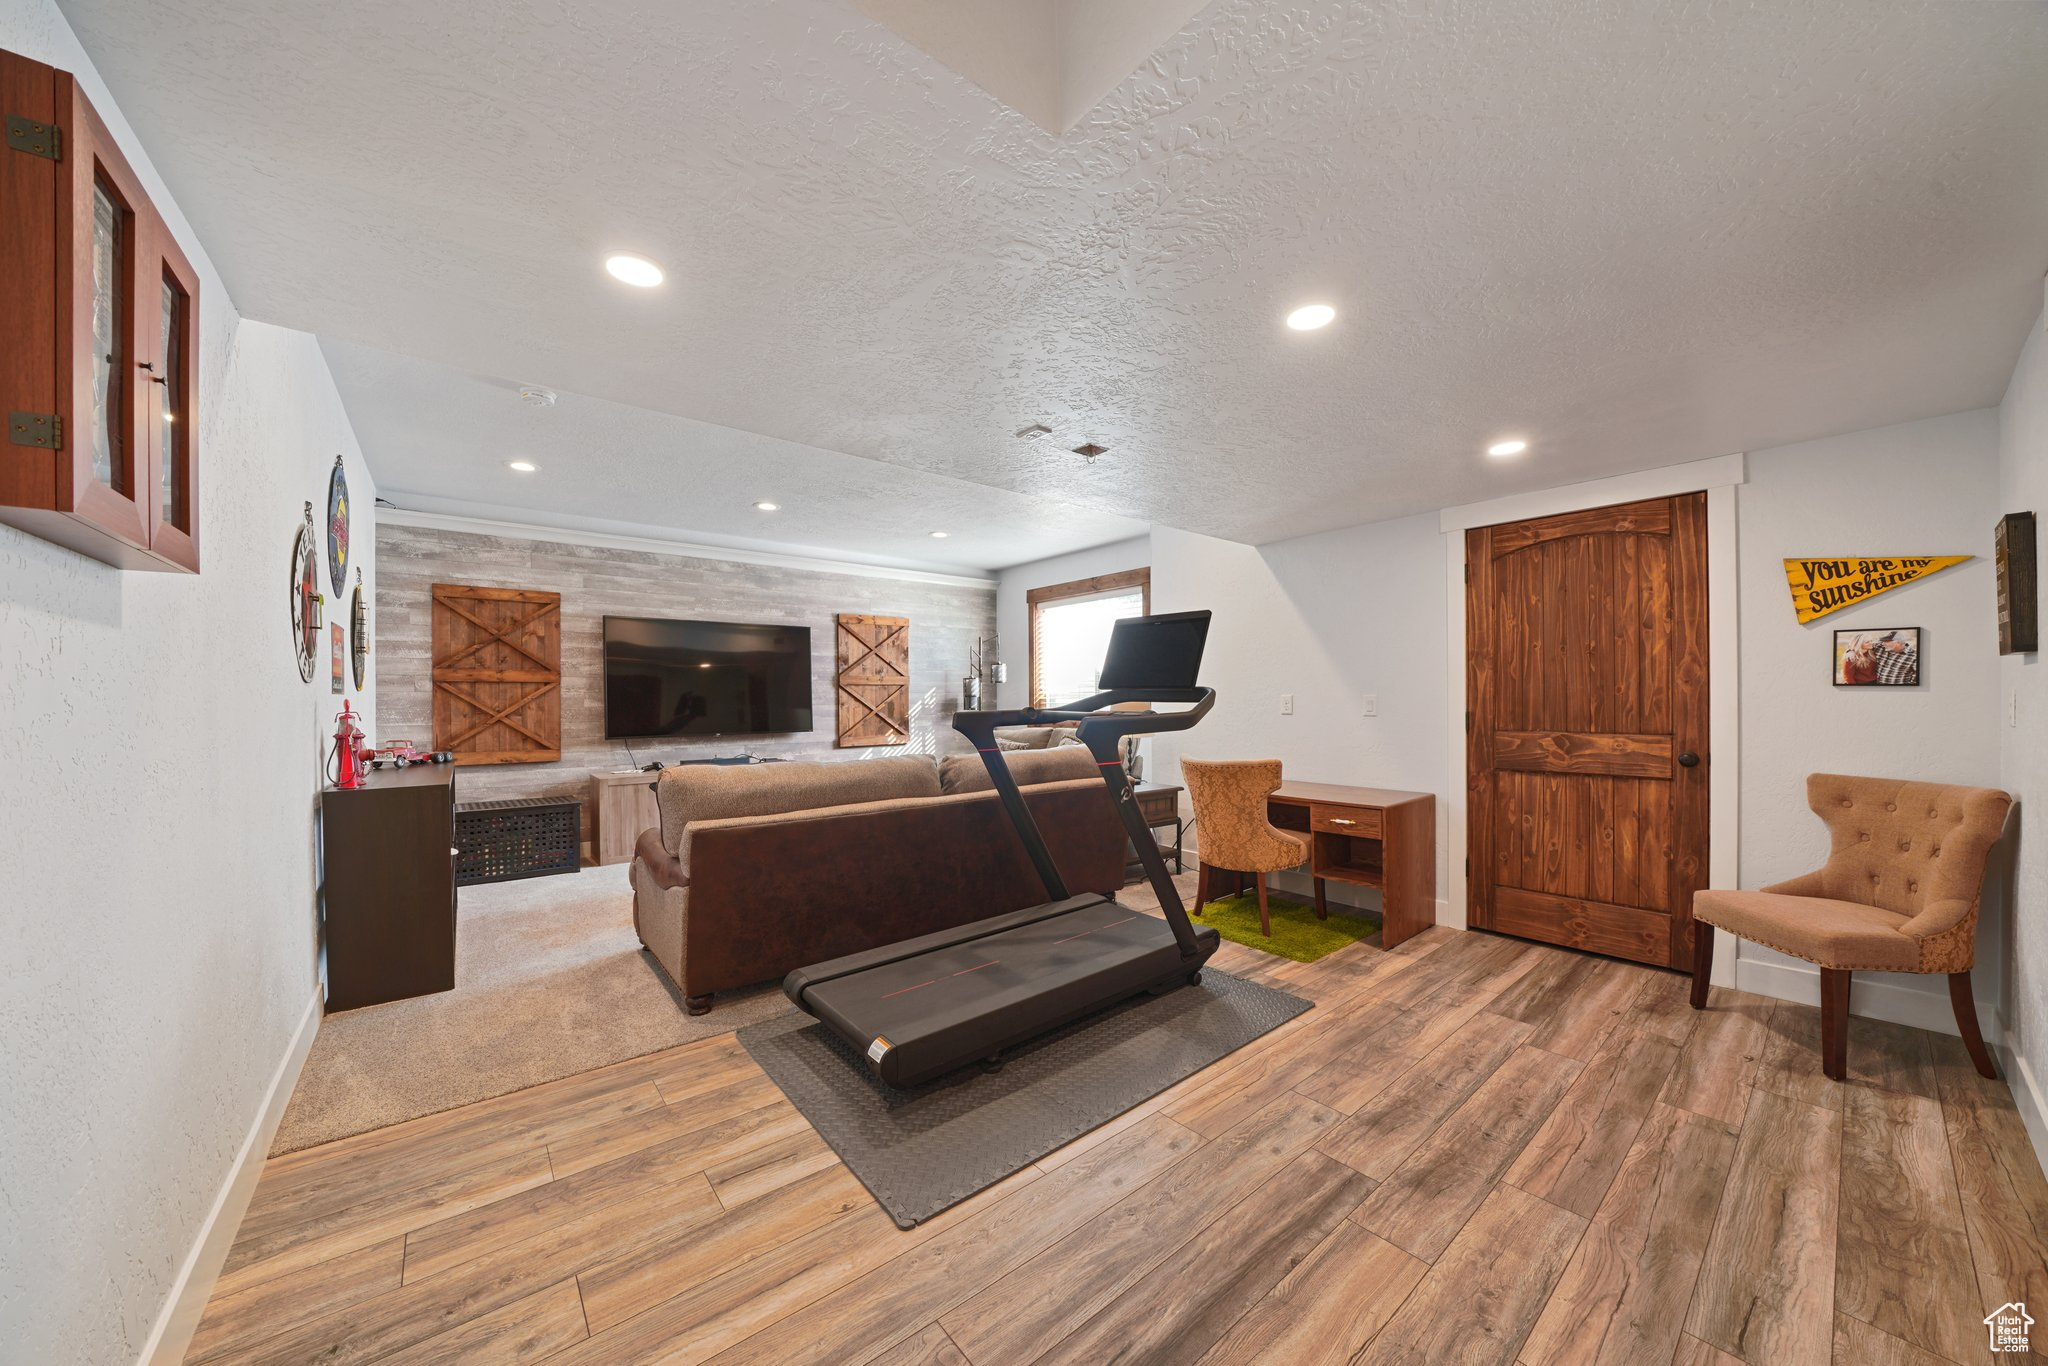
1070 625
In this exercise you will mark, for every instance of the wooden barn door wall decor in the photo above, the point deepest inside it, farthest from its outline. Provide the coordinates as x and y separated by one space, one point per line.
497 671
873 680
1587 764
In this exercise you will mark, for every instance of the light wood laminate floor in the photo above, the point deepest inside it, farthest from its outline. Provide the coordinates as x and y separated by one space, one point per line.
1473 1150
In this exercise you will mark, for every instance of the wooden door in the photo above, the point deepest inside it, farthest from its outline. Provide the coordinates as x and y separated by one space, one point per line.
497 672
1587 764
873 680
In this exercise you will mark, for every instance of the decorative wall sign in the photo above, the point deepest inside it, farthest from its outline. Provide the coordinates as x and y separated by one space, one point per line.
305 592
1886 657
873 680
359 632
335 630
337 528
1822 586
2019 584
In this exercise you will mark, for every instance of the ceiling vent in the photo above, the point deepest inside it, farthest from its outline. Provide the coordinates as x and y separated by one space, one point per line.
1089 450
1034 431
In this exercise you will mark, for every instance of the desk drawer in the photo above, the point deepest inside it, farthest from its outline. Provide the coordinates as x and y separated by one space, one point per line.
1345 820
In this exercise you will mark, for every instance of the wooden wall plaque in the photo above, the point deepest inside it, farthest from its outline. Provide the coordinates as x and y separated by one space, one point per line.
873 680
2019 584
497 674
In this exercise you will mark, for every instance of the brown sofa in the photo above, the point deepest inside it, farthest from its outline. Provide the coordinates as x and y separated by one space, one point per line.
759 869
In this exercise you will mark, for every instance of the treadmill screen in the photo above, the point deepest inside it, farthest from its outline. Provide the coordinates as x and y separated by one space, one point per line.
1156 652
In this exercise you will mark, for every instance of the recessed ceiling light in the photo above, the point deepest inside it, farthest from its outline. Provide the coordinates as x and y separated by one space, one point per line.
940 535
523 466
633 270
1504 448
767 507
1309 317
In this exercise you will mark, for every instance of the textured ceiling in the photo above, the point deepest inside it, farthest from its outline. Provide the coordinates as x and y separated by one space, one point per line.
443 440
1636 233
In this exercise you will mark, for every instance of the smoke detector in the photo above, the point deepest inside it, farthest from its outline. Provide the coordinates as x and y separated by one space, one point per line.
1034 431
536 397
1088 450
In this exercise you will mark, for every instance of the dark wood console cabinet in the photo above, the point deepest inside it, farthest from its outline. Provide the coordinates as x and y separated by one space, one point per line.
388 883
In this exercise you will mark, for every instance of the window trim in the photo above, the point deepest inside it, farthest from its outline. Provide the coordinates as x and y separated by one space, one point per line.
1100 585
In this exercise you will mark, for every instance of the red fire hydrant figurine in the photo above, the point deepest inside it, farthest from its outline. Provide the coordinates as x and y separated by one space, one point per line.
347 761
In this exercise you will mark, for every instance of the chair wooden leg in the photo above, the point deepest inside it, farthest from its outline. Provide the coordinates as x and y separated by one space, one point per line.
1240 883
1834 1022
1965 1003
1265 921
1201 887
1322 905
1702 962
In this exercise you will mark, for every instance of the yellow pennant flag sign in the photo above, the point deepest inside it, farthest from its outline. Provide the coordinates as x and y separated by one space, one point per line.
1821 586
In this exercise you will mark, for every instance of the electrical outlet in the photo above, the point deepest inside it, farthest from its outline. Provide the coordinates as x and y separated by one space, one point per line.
1372 705
1287 704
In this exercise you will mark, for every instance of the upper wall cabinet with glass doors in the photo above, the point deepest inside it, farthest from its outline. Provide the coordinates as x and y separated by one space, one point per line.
99 357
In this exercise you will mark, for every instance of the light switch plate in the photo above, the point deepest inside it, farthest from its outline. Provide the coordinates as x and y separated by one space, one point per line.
1372 705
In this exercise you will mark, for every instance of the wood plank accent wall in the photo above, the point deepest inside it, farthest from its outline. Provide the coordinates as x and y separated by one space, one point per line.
497 674
873 685
594 581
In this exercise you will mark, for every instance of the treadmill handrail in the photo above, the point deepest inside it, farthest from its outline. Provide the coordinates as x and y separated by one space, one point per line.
1100 731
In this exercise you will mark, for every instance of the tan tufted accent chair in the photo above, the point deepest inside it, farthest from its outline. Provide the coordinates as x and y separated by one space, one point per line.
1899 893
1233 833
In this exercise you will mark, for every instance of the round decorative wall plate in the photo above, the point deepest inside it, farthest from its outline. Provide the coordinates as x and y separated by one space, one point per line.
305 590
337 529
359 633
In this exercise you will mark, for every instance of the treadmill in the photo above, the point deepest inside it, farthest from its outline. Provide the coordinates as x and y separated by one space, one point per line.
926 1006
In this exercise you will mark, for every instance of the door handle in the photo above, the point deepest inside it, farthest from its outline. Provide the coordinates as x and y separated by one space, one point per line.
1688 760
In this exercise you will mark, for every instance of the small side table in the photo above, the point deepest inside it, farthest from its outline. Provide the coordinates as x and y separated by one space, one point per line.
1159 803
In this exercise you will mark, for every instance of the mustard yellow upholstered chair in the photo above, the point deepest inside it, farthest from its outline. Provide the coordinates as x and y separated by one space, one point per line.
1899 893
1231 829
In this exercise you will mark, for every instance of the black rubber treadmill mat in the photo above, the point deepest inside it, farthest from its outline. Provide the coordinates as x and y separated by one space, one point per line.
925 1148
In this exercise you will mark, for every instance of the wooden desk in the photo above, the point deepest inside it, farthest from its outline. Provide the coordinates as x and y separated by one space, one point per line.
1369 837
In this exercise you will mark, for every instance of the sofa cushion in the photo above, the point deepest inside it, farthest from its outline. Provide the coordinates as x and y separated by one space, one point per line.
967 773
1834 934
697 792
1032 737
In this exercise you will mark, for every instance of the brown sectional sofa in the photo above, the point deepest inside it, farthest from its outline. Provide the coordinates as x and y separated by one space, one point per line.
759 869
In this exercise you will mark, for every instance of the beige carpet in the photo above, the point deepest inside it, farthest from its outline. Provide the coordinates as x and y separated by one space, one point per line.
550 980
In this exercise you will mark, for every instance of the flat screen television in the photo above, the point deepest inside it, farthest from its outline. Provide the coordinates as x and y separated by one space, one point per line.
704 678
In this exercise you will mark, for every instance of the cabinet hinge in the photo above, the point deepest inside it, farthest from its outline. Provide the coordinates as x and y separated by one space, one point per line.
44 140
36 429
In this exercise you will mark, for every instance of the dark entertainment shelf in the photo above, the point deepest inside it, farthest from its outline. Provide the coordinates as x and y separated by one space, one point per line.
388 886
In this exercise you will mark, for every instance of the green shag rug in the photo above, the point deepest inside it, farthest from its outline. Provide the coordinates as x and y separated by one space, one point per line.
1297 934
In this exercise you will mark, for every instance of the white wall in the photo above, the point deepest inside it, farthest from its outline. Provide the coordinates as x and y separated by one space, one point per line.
2023 751
157 873
1328 618
1919 488
1013 620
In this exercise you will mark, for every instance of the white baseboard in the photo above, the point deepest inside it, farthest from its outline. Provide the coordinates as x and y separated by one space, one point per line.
179 1318
2028 1096
1875 1000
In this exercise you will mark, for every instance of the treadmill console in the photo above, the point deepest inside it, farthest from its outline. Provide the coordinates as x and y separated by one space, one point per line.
1155 652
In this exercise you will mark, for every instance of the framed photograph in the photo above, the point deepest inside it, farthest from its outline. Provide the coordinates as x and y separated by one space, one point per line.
1878 656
